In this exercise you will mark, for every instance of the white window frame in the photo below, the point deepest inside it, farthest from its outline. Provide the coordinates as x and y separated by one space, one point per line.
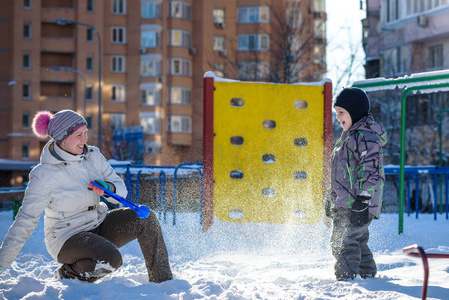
25 151
179 38
151 147
150 9
26 86
90 58
151 91
219 15
151 122
27 5
219 43
89 96
253 14
27 115
147 65
150 36
26 56
183 95
436 56
118 63
184 11
184 65
118 93
118 120
219 70
319 5
293 16
91 2
180 124
27 27
118 34
252 69
243 41
319 28
119 7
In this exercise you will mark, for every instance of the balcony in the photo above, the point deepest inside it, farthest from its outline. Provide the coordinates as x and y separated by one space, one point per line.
56 44
50 14
48 75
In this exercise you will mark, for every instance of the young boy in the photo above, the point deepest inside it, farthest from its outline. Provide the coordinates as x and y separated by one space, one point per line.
357 182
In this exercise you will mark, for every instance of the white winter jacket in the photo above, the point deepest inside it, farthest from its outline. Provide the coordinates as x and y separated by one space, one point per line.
58 185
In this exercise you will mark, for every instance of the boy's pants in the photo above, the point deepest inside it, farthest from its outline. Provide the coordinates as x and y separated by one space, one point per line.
350 247
91 255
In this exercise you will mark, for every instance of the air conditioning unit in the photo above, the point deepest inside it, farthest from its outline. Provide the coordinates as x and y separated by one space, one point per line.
223 52
192 51
220 24
422 21
143 50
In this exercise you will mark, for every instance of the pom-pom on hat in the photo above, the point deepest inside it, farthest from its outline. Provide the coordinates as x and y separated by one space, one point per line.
58 126
355 101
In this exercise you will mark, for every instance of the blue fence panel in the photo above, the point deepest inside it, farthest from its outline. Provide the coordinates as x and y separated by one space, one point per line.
416 171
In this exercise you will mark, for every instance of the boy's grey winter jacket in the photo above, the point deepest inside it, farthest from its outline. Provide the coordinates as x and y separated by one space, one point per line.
58 185
357 165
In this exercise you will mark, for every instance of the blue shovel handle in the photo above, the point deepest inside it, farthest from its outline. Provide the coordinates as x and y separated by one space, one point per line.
142 211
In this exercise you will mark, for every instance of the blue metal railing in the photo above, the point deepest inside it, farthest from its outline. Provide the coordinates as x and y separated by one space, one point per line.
162 172
416 171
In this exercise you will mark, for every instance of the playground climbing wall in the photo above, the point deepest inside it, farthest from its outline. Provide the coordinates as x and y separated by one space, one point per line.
267 149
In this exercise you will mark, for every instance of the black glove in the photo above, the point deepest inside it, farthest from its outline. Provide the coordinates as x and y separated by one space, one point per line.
360 211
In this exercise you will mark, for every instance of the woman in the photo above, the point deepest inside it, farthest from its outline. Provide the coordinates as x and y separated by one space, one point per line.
79 232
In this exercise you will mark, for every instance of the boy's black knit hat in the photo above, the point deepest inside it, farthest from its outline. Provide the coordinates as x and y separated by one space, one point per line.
355 101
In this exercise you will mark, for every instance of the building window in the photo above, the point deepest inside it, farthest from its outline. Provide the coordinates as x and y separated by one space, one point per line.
25 120
26 61
180 124
90 5
319 29
89 92
180 95
118 92
150 67
150 94
294 17
253 70
253 14
89 63
392 9
295 43
219 70
395 61
219 43
26 30
117 120
89 120
151 122
180 66
118 35
150 39
319 5
319 54
26 3
89 35
25 151
150 9
181 38
436 56
219 16
119 7
118 63
178 9
251 42
26 90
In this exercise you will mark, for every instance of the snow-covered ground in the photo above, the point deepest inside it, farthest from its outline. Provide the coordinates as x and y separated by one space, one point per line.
245 261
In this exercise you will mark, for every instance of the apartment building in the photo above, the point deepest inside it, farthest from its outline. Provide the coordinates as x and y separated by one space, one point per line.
142 63
402 37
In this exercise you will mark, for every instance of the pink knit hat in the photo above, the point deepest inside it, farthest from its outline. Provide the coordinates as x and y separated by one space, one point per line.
58 126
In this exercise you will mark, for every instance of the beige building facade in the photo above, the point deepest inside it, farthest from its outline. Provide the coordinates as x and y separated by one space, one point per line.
154 54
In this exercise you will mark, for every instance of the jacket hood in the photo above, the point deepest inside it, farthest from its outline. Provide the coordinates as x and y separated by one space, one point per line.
53 154
368 124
